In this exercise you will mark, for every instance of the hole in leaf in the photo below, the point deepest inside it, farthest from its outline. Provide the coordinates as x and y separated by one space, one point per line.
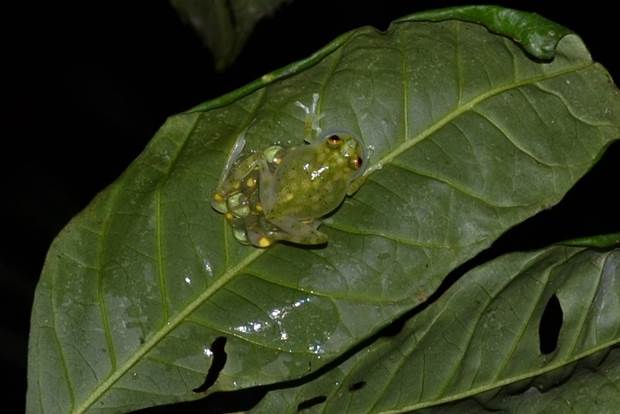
219 360
304 405
550 324
357 386
394 328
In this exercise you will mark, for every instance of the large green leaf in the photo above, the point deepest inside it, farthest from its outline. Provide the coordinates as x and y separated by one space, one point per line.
471 135
476 350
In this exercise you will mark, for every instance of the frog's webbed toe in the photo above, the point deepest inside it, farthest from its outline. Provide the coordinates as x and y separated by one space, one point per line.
218 202
260 232
239 231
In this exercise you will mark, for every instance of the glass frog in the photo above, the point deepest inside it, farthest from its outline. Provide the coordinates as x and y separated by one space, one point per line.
282 193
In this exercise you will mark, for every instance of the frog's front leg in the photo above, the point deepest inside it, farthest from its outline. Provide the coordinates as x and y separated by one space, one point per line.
296 231
312 130
357 182
355 185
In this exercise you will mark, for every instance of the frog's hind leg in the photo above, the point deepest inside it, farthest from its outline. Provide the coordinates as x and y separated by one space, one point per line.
234 181
296 231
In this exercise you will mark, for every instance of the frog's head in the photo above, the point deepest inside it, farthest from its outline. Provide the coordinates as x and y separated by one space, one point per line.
349 148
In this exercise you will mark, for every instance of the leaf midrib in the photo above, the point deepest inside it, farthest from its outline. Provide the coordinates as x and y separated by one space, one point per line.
170 325
229 274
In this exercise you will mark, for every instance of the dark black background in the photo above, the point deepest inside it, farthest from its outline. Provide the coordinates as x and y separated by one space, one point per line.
88 84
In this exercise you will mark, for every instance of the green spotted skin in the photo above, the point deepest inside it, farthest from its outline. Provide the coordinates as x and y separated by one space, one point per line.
312 180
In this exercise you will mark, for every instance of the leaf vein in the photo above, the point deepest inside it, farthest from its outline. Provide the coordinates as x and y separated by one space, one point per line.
587 312
405 83
512 140
330 296
248 339
163 288
61 353
371 232
451 184
173 364
101 252
569 107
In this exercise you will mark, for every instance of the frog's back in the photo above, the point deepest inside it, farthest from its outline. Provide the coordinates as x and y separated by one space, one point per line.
307 185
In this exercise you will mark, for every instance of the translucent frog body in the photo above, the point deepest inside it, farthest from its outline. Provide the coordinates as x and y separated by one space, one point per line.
282 193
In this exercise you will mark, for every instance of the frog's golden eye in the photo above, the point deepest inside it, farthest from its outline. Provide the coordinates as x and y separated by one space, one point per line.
356 163
334 141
